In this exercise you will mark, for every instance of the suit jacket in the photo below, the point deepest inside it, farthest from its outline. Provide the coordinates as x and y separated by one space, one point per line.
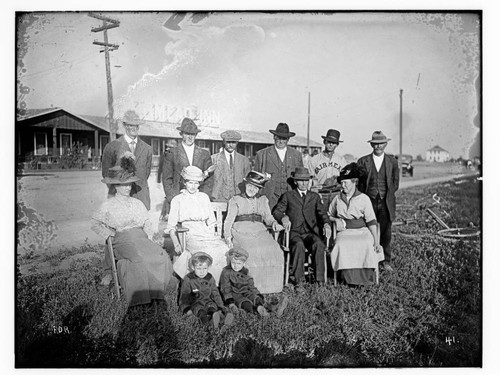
267 160
310 211
143 160
224 179
392 179
175 160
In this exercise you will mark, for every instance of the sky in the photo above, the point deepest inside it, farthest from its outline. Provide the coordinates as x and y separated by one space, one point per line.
252 70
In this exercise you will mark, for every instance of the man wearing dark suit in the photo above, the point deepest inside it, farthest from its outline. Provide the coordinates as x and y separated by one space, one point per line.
303 214
279 161
143 154
381 184
182 156
231 168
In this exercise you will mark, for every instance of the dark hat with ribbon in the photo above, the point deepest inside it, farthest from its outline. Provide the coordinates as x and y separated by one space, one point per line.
256 178
123 173
332 135
301 173
238 253
231 135
282 130
378 137
131 118
188 126
351 170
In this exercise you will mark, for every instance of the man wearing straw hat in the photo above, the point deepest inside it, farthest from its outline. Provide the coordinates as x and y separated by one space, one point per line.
182 156
143 154
381 184
279 161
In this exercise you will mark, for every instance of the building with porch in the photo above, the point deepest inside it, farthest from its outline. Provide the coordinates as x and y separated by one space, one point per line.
437 154
51 137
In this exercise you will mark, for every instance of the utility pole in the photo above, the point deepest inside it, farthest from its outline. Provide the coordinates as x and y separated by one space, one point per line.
308 117
107 23
400 130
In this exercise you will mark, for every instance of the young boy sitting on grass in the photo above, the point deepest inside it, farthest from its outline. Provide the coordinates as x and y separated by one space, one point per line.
237 286
199 294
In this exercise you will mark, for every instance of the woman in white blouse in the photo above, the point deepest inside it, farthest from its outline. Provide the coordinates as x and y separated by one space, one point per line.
192 209
357 250
144 268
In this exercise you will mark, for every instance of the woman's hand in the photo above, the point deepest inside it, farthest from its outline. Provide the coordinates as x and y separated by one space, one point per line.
339 224
277 227
229 242
378 248
178 248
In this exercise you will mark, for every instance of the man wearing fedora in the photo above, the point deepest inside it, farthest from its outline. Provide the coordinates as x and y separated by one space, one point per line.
325 167
182 156
231 168
279 161
303 214
143 154
381 184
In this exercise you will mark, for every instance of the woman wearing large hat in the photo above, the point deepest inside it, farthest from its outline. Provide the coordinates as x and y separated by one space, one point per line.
248 217
144 269
357 251
193 210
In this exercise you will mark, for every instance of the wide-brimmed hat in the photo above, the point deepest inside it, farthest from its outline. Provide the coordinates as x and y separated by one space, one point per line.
131 118
352 170
188 126
238 253
231 135
282 130
256 178
378 137
301 173
200 254
123 173
192 173
332 135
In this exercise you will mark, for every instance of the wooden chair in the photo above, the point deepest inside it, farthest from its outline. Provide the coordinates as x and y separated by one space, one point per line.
308 261
334 236
112 258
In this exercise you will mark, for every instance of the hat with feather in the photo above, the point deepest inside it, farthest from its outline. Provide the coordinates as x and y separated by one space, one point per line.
351 170
123 173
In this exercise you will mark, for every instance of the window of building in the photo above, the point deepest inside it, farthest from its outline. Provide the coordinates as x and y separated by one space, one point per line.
40 140
155 144
65 140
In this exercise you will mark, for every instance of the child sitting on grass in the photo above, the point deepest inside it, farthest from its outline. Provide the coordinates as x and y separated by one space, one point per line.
237 286
199 294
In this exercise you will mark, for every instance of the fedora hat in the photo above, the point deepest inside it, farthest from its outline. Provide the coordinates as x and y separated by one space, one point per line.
188 126
192 173
332 135
378 137
123 173
256 178
282 130
351 170
301 173
131 118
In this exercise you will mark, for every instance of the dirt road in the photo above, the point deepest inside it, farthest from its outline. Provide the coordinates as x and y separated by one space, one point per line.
69 198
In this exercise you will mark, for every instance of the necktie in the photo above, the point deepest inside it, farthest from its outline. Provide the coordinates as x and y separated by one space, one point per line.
132 146
231 162
303 196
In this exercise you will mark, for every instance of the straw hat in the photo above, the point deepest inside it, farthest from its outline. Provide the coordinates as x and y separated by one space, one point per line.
378 137
192 173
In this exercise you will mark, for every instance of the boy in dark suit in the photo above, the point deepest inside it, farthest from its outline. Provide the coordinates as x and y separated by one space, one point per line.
303 214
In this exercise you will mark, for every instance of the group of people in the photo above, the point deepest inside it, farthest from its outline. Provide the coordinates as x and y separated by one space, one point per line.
221 274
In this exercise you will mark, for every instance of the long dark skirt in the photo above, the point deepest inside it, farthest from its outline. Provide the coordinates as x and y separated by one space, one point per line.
144 268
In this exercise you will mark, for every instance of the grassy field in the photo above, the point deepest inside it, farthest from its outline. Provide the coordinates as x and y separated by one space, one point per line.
426 313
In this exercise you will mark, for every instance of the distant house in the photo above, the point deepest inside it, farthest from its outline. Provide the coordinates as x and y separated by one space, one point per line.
437 154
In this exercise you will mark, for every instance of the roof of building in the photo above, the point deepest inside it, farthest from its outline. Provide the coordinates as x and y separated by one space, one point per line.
437 148
169 130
